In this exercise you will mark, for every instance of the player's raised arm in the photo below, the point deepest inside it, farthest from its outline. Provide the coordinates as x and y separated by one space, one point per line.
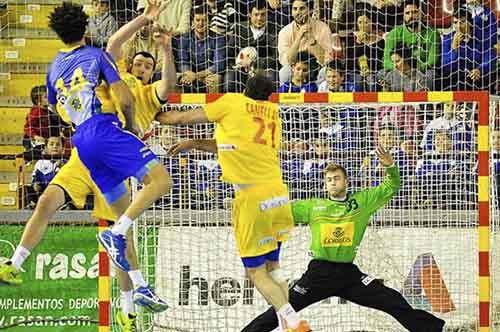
163 38
207 145
116 41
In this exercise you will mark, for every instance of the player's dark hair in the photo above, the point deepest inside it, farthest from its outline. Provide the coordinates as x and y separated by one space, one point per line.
309 3
147 55
259 5
69 22
334 167
200 8
463 13
36 94
259 87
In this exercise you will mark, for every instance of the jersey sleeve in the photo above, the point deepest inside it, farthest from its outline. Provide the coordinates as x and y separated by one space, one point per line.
378 196
217 110
109 69
301 211
51 93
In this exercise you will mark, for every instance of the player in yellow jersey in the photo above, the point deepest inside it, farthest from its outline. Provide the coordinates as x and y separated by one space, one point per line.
73 183
247 142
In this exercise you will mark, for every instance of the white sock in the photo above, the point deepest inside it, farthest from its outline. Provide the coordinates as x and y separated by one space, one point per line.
19 256
122 225
290 316
127 302
137 278
280 327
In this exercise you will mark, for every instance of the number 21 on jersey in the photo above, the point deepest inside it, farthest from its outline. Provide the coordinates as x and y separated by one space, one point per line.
261 132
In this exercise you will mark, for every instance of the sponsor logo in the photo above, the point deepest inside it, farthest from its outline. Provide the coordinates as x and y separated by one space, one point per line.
336 235
366 280
319 208
265 240
300 289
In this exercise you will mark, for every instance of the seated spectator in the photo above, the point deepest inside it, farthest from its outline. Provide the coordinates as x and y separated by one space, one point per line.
450 121
278 11
304 34
403 76
259 34
102 25
40 123
46 169
143 41
175 17
200 58
336 79
372 173
423 41
364 50
442 179
468 63
301 81
221 16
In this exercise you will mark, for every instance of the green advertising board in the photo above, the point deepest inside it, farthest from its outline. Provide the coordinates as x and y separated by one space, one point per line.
59 292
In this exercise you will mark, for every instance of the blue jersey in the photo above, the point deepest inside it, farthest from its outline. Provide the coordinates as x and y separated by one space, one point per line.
72 80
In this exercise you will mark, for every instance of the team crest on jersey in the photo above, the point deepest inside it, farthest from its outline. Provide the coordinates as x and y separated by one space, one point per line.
337 235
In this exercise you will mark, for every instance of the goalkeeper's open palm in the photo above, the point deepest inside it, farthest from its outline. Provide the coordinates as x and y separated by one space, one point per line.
154 8
384 156
180 147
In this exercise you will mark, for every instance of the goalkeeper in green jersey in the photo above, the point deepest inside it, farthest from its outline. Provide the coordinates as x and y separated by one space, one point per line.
338 224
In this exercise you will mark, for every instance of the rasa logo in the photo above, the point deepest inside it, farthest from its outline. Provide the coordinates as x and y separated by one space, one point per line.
61 266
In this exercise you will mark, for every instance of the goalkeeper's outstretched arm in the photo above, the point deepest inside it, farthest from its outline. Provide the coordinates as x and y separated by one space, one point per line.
207 145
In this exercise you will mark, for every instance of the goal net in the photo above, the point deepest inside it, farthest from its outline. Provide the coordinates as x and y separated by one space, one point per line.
426 242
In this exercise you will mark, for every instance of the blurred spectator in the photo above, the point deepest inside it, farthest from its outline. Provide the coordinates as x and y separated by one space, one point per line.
259 34
102 25
404 76
441 177
303 34
466 65
336 79
423 41
278 11
221 15
175 16
40 123
143 41
389 13
365 50
201 58
453 122
46 169
301 81
484 24
372 172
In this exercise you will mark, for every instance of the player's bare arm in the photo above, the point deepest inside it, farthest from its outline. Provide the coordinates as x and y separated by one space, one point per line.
163 38
124 95
206 145
183 118
384 156
116 41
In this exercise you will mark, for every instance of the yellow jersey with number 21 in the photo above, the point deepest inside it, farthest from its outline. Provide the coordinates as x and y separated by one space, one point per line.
248 136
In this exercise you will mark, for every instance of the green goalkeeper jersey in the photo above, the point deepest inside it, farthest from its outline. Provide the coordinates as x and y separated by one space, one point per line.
338 227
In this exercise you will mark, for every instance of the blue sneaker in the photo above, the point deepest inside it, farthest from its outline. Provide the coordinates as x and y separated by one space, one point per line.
115 245
145 297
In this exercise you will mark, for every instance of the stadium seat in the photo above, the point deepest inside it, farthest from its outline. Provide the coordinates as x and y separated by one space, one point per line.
29 50
13 120
7 197
20 84
28 15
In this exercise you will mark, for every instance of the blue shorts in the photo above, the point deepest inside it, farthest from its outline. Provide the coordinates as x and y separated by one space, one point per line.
256 261
112 154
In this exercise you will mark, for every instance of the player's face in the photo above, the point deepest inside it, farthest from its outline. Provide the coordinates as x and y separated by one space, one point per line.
334 79
142 68
300 72
300 12
364 24
258 18
336 183
495 140
386 139
411 14
54 145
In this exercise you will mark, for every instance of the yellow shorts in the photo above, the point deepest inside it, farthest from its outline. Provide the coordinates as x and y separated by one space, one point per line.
75 179
262 217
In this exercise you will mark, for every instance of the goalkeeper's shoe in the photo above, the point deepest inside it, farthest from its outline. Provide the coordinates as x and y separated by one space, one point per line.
145 296
303 327
127 323
9 275
115 245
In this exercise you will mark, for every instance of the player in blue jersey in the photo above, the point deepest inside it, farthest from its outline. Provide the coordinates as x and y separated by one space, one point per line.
110 153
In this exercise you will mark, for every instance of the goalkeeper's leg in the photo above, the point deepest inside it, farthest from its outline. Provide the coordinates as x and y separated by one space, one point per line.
51 200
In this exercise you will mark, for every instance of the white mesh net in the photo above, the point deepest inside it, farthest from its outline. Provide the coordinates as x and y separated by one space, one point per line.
423 243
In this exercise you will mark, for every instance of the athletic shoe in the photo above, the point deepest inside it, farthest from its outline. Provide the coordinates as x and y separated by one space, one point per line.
126 322
303 327
115 245
146 297
9 275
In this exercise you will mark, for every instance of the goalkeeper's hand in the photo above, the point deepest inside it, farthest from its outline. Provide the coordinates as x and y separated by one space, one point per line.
384 156
181 147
